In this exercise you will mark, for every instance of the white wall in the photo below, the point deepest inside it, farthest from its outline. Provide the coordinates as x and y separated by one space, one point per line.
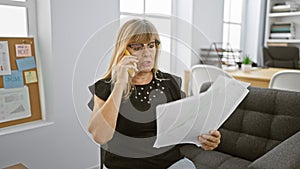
182 36
198 23
208 19
64 144
254 29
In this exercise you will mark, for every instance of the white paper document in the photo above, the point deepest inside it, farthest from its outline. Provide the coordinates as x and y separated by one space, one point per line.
4 59
14 104
182 121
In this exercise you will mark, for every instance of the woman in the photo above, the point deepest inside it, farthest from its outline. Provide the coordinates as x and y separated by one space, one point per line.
123 118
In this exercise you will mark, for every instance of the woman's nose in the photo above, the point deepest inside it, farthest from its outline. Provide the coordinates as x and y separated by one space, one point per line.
146 51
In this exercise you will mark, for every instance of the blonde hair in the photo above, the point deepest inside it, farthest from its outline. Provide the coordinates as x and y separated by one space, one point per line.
134 30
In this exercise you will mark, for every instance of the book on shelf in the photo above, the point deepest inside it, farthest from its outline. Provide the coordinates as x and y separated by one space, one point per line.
276 44
288 6
282 36
282 30
285 3
283 24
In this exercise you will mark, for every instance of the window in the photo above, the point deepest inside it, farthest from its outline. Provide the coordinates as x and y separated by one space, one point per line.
17 18
232 23
159 15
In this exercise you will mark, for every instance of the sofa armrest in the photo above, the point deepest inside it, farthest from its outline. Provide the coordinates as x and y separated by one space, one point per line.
285 155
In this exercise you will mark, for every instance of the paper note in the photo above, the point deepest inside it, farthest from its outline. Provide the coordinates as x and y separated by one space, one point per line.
30 77
14 104
4 59
14 80
26 63
23 50
184 120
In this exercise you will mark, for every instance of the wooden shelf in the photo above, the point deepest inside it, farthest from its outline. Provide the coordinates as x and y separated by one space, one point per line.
282 14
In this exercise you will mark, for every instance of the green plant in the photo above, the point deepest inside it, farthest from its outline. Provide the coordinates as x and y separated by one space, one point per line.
299 64
247 60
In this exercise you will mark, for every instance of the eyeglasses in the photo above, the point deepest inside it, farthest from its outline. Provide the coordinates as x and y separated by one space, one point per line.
140 46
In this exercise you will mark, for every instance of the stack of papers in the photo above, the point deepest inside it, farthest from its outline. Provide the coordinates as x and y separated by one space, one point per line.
283 30
182 121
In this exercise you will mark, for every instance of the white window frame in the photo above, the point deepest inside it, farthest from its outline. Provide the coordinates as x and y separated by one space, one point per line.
235 23
144 14
30 6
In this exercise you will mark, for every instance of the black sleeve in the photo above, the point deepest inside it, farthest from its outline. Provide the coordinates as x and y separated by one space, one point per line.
177 83
174 85
103 89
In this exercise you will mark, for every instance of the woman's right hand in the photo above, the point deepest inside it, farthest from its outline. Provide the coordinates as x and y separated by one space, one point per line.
120 71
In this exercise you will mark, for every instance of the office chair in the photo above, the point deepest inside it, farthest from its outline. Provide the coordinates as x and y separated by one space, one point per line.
286 80
204 74
283 57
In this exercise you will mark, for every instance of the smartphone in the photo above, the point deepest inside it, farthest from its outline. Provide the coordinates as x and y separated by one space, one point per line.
130 71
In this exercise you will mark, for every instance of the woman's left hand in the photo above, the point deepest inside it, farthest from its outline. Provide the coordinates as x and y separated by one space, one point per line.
210 141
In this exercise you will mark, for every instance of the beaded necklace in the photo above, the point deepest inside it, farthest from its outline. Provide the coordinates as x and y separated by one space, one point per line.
141 92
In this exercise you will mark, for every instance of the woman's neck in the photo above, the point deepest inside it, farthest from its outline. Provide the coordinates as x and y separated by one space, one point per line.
142 78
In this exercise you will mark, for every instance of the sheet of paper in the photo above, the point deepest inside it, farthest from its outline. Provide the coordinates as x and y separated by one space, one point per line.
14 80
184 120
30 76
4 58
26 63
23 50
14 104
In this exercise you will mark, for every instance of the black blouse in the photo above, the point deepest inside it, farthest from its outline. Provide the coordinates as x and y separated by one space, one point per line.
132 144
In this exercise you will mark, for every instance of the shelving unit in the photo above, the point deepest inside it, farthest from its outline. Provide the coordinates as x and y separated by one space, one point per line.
219 54
273 17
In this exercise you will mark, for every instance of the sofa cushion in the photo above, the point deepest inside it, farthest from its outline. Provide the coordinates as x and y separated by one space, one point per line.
212 159
264 119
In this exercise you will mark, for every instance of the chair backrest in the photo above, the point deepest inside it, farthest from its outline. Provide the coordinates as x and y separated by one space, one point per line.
285 57
201 74
286 80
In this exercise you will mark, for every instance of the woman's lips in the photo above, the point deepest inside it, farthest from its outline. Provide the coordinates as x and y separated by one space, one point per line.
146 63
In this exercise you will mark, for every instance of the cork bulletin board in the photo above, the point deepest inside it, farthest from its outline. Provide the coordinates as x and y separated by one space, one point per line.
19 83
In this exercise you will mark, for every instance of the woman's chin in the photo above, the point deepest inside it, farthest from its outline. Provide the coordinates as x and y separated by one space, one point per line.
145 70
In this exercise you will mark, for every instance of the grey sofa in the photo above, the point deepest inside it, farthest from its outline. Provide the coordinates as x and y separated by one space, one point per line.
262 133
